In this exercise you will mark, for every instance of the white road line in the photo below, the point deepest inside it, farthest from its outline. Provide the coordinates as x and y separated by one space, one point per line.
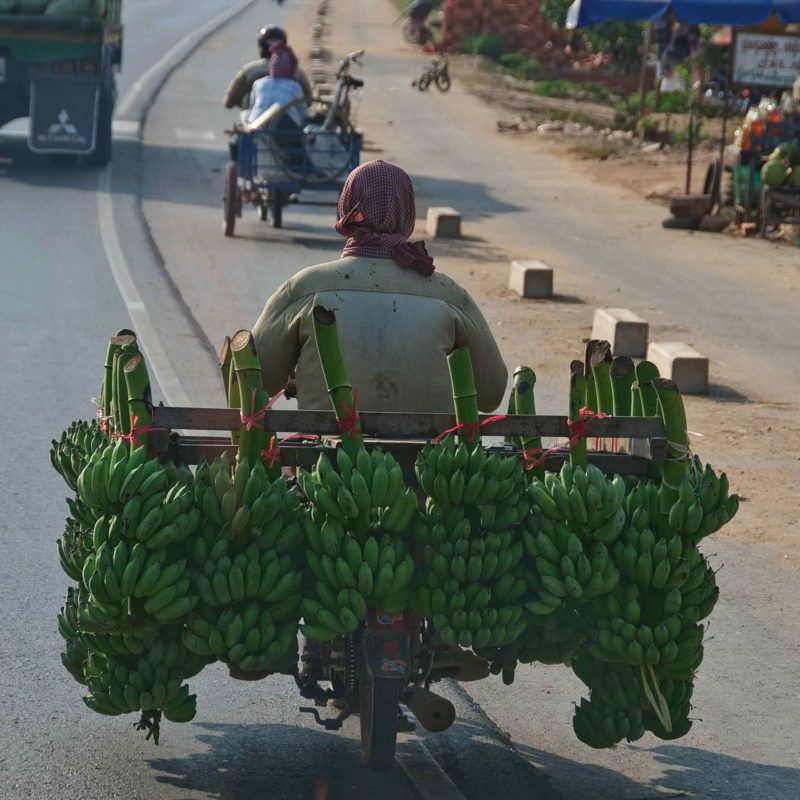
431 781
145 90
157 360
192 135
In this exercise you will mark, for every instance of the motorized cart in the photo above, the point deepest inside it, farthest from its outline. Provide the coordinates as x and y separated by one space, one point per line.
393 659
281 154
405 547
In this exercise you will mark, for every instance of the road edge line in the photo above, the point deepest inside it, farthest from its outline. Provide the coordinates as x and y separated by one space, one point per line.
425 772
138 100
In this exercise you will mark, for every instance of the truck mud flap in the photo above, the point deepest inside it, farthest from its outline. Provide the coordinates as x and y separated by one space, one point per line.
64 115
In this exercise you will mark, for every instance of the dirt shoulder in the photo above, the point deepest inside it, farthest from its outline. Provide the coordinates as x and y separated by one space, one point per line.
755 442
655 174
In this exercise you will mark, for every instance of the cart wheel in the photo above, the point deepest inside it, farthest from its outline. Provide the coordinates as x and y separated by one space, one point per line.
276 207
229 198
443 82
713 180
378 703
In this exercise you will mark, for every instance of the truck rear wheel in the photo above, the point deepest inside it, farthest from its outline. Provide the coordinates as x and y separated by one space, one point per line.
103 136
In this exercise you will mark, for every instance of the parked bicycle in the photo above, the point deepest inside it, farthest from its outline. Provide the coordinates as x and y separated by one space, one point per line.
438 72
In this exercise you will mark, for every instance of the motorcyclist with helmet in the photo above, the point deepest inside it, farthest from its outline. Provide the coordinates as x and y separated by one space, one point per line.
238 92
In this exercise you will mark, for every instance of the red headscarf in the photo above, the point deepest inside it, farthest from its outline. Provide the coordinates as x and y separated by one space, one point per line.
377 214
282 61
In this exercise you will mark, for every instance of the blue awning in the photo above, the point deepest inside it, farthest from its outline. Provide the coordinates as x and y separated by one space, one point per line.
693 12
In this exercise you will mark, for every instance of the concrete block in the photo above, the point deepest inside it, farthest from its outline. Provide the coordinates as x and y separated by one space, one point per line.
443 223
626 331
531 279
682 364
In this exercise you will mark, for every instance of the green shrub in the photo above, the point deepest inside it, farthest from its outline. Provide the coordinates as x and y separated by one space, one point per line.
484 44
520 65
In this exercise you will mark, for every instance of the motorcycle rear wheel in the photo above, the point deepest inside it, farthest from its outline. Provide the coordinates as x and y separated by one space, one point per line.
378 703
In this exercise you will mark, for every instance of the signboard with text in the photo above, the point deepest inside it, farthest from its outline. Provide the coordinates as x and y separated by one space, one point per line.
765 59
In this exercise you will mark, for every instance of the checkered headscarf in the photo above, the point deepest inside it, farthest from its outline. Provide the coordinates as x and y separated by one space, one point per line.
282 61
377 214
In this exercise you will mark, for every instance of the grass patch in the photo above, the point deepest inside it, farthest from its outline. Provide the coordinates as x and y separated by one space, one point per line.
594 151
572 90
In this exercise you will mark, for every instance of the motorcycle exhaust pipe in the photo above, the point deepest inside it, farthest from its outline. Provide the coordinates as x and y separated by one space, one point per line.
434 712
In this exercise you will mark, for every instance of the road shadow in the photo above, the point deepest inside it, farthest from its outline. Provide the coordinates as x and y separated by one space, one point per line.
471 198
688 772
243 762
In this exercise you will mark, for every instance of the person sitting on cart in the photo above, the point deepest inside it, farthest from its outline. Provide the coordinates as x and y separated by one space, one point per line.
397 317
280 88
239 90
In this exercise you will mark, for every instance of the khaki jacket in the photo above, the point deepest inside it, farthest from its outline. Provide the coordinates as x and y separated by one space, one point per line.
396 328
245 78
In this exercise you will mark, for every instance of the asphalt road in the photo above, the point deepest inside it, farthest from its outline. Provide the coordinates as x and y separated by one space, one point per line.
61 303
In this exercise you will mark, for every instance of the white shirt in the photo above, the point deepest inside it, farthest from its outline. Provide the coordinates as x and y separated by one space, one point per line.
268 91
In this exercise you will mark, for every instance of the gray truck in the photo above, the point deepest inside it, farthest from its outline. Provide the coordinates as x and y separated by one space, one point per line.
58 68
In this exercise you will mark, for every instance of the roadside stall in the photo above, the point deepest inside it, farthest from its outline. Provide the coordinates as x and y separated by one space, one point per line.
763 56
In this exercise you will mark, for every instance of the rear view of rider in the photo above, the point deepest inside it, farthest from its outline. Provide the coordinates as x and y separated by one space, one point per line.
241 86
280 86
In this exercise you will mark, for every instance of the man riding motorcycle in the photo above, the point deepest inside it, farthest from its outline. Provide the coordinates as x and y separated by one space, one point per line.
238 92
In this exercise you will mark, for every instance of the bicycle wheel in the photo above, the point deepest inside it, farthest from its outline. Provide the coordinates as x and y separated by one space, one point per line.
423 83
442 81
378 702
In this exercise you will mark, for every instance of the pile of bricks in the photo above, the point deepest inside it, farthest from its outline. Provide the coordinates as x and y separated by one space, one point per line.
518 22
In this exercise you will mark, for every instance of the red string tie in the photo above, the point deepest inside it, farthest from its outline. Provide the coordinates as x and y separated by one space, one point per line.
472 429
578 429
349 423
132 437
271 455
254 418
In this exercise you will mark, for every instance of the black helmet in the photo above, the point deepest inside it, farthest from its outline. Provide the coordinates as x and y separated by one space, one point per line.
268 35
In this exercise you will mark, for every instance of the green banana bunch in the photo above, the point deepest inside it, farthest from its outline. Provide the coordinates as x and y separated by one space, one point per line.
351 576
151 682
614 709
677 695
583 499
361 494
472 584
74 547
246 636
563 568
70 453
551 639
703 505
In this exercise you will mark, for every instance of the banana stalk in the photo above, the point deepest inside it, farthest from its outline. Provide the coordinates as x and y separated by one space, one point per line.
107 395
336 380
636 400
122 415
465 395
600 363
140 402
674 415
525 403
225 362
622 377
246 369
510 412
590 401
645 372
577 396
